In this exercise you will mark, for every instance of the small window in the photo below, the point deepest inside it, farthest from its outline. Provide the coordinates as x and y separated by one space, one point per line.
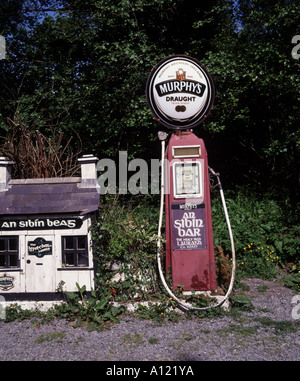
2 245
2 260
186 151
9 252
69 243
75 251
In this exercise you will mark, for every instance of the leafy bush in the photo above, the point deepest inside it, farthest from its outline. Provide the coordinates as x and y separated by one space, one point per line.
264 233
125 238
91 312
292 281
125 234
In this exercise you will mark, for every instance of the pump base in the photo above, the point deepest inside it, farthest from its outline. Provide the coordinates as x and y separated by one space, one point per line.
214 295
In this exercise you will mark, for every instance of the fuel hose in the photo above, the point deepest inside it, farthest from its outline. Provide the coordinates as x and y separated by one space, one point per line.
185 306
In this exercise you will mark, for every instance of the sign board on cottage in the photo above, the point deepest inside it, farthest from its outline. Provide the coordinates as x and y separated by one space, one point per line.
6 282
40 247
40 224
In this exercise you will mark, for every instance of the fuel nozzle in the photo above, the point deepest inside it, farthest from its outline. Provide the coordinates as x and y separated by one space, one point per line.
162 135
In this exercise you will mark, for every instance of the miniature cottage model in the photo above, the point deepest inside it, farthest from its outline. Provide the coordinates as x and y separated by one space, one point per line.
45 233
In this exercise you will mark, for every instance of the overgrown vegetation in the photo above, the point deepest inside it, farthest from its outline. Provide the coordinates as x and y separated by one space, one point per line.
266 232
79 68
125 240
35 155
93 312
267 243
82 66
266 240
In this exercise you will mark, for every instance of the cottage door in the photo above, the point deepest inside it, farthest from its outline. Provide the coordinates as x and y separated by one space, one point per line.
39 263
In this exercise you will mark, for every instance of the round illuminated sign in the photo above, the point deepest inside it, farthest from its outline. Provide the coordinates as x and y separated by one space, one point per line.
180 92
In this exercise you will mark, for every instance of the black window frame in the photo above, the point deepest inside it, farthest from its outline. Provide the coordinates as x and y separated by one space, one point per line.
8 253
75 253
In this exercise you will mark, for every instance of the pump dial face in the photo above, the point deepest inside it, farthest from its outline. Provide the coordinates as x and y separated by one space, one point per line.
187 179
180 92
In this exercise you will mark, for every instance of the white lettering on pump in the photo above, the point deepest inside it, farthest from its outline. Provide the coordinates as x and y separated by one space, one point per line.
189 225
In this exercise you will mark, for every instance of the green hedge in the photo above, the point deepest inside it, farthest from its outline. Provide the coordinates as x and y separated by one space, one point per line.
265 230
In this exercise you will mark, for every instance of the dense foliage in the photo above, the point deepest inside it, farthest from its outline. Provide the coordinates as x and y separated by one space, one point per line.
80 68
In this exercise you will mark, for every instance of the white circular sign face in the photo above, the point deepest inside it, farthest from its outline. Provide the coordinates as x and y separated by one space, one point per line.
180 92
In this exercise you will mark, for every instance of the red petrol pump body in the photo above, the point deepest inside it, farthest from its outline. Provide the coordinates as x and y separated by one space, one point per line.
180 94
189 234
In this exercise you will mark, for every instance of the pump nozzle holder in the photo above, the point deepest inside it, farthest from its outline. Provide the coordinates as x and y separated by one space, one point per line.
162 135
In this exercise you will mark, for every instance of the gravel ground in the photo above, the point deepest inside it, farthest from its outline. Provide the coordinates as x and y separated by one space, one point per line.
267 332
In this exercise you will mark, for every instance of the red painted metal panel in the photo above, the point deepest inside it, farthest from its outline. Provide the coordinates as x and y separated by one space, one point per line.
189 233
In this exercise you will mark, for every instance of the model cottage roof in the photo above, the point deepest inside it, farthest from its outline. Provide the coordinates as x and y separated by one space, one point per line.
43 196
51 195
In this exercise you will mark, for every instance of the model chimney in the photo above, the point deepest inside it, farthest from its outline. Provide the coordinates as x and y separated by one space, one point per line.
88 170
5 172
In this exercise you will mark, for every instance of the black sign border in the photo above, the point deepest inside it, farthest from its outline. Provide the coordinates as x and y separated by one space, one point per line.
78 223
169 123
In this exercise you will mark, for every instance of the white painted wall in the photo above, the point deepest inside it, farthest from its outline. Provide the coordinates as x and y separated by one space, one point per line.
51 271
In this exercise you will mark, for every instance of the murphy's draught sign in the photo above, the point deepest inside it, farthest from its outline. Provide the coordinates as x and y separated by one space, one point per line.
180 92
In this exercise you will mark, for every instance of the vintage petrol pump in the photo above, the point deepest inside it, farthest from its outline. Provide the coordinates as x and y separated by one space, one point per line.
189 235
180 93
